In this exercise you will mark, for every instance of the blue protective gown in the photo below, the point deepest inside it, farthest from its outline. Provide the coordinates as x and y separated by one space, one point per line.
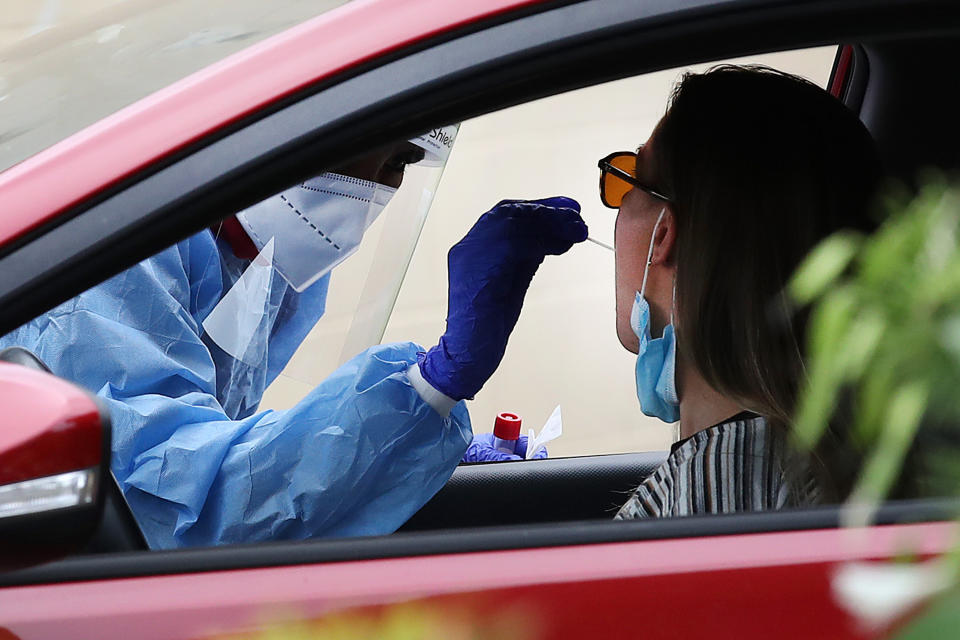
359 455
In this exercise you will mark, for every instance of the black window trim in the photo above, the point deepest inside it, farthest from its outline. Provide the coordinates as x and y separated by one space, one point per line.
278 554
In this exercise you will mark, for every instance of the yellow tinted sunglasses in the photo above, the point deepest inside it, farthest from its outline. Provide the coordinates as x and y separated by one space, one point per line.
618 175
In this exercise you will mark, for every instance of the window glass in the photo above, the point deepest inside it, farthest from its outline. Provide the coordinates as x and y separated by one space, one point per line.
65 65
564 350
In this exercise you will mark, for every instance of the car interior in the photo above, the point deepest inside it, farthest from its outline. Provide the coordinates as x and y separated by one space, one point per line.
891 72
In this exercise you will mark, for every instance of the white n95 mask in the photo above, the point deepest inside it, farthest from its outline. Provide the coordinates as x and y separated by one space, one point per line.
315 225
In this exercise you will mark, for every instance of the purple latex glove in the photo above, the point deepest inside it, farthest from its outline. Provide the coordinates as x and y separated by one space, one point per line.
481 450
489 271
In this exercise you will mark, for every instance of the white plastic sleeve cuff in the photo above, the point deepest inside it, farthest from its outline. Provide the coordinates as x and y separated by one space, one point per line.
440 402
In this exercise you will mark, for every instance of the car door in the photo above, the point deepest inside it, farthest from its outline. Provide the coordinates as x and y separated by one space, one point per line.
251 126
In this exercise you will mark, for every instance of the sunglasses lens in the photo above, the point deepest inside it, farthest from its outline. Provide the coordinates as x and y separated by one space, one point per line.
614 188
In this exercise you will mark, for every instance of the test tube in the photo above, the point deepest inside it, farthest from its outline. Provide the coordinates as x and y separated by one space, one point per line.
506 432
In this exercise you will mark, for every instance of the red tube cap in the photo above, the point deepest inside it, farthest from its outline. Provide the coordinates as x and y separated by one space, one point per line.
507 426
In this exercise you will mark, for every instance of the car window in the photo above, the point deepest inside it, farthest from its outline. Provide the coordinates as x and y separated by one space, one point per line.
564 351
202 340
65 65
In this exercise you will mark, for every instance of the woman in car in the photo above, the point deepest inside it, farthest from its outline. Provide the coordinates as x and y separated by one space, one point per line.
748 170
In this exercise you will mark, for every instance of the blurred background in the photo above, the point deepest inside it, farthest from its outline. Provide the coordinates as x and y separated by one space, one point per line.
64 64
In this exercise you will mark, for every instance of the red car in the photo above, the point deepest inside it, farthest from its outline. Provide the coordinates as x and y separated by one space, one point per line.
547 562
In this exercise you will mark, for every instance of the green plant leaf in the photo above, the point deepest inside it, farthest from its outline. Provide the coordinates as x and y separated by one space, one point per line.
823 266
906 408
940 621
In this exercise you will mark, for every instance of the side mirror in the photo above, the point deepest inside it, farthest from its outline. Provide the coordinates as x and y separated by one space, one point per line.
54 464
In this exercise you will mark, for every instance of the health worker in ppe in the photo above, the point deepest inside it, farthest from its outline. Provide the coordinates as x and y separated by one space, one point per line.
182 346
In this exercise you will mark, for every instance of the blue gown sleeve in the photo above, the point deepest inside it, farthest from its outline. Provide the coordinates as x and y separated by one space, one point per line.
359 455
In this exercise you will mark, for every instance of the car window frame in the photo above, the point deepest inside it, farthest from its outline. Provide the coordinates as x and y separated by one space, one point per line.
560 49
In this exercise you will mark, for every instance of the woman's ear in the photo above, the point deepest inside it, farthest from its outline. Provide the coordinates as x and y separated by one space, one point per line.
665 239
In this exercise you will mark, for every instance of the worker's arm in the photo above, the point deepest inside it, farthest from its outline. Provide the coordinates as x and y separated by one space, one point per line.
358 455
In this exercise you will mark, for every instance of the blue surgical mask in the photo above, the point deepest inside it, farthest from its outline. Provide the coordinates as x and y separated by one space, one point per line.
656 358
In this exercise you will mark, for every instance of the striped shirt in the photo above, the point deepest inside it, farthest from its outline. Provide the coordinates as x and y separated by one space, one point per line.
738 465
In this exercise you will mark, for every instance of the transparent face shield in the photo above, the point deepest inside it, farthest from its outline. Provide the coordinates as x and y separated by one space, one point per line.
311 274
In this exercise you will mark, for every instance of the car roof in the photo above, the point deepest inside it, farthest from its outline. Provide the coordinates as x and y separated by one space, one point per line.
223 93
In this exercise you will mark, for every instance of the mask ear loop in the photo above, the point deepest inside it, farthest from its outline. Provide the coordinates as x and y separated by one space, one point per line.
646 268
673 302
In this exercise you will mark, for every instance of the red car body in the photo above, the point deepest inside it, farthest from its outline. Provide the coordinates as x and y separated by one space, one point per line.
746 586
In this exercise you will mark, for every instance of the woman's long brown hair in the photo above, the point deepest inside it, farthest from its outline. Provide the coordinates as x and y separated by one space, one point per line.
761 166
